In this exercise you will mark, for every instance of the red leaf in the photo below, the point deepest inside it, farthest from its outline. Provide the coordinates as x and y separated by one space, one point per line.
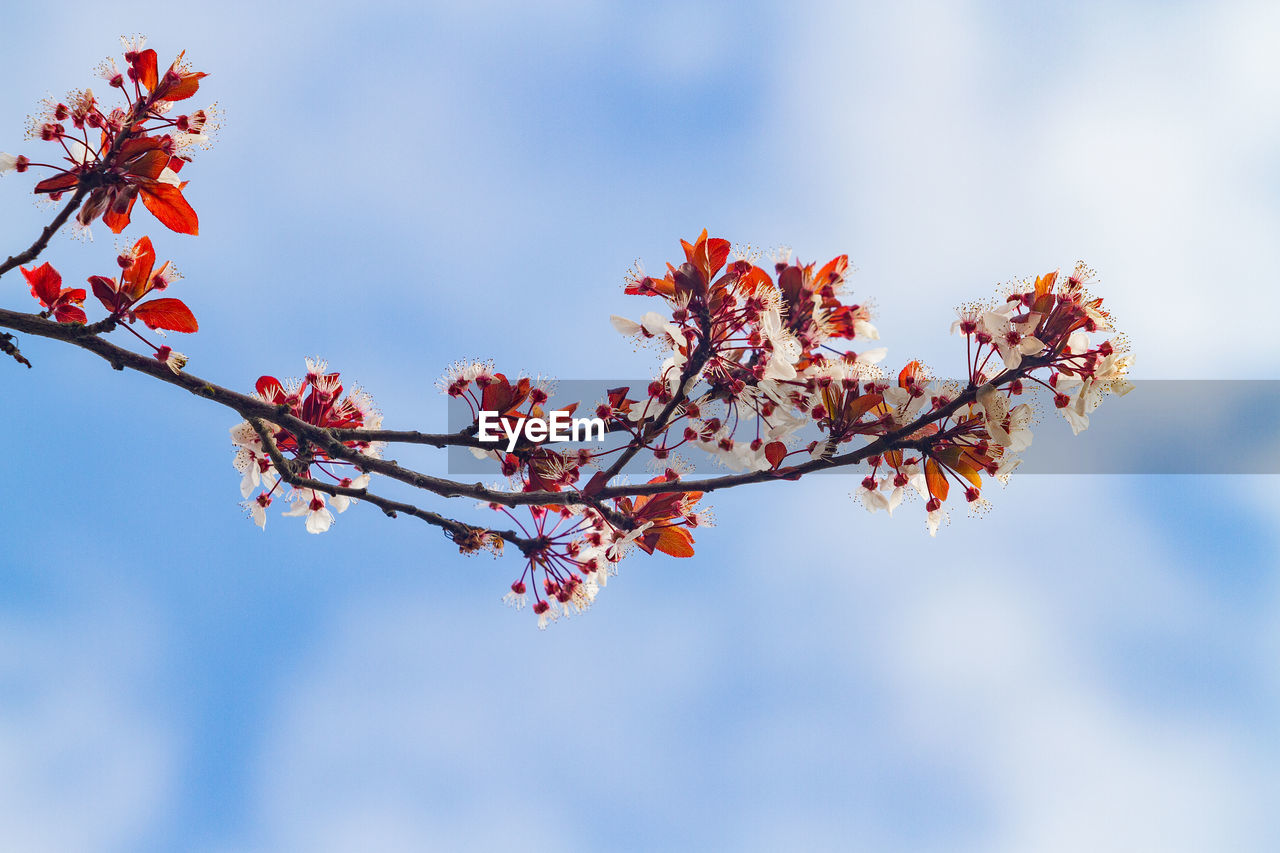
754 278
134 280
139 144
149 165
595 484
833 271
910 374
146 67
70 314
270 389
105 289
117 222
501 396
184 88
58 183
45 283
961 460
775 452
166 203
936 480
717 253
675 541
167 313
859 406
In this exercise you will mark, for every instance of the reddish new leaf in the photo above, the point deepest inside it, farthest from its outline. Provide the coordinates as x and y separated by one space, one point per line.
135 279
595 484
178 85
167 313
674 541
145 65
71 313
45 282
936 480
962 461
166 203
105 289
833 272
859 406
910 374
775 452
118 221
270 389
58 183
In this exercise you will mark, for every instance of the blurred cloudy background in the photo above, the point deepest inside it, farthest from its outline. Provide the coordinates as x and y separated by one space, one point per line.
1091 666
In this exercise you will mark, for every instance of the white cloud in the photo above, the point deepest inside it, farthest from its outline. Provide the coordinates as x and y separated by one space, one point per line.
954 145
808 684
86 762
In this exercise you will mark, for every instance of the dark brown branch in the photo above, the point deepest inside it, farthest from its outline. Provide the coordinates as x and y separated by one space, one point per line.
247 406
894 440
9 346
653 428
252 407
455 530
33 251
462 438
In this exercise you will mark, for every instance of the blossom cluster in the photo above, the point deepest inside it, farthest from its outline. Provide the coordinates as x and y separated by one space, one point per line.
114 155
317 399
769 367
750 360
123 298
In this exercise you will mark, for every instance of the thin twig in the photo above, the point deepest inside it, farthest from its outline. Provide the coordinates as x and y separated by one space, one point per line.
455 530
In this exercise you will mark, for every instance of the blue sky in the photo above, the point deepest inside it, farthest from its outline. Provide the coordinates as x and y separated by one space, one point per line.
1091 666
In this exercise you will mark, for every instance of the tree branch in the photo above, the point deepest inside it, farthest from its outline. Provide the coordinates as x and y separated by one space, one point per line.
34 250
328 440
455 530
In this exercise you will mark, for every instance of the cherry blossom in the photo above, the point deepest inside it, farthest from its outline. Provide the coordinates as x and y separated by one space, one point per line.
761 364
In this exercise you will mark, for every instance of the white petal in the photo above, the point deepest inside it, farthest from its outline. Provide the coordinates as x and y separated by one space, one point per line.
896 396
1077 343
319 521
7 162
873 501
779 368
918 482
79 153
993 402
863 329
1079 423
624 326
244 435
873 356
935 519
895 498
998 434
250 480
654 323
994 324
